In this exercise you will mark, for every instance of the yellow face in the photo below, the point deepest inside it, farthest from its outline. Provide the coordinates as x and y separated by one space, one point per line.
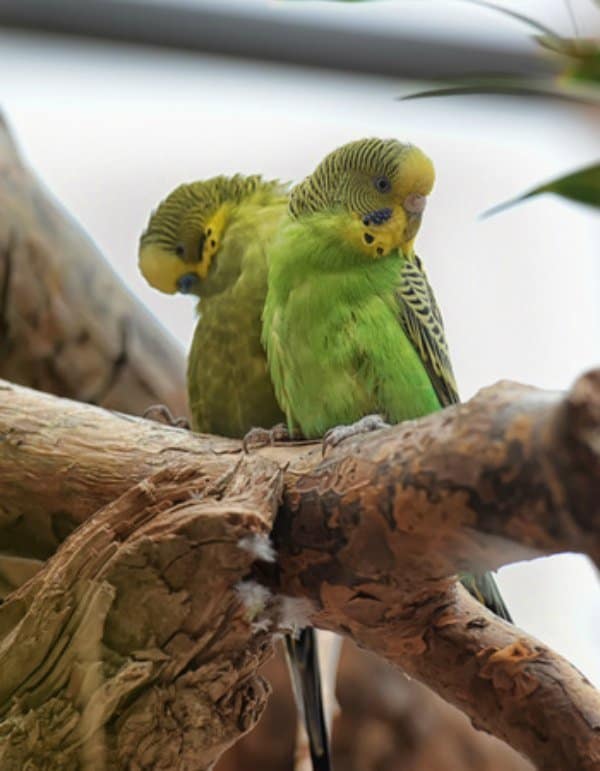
184 266
161 268
397 207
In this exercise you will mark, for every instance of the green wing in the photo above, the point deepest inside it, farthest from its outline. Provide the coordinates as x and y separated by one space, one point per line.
422 321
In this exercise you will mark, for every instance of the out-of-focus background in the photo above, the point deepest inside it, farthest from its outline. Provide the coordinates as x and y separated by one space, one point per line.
112 126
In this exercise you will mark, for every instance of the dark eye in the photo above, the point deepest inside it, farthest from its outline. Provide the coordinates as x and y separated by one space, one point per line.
180 250
382 184
188 283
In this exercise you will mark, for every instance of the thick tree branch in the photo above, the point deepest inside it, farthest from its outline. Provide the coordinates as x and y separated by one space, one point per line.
67 324
371 535
387 722
513 471
130 648
61 460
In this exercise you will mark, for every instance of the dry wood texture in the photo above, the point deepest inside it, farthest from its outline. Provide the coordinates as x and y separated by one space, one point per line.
387 722
67 324
371 536
130 648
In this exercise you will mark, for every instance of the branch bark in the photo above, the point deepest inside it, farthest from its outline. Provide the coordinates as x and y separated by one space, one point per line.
386 722
371 536
68 326
130 649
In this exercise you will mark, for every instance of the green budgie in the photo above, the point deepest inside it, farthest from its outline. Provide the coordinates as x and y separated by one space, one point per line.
351 327
210 239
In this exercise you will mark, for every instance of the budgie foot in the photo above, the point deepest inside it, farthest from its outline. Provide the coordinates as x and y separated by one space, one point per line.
160 413
363 426
263 437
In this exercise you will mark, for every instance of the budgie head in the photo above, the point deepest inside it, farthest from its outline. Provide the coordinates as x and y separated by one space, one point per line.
382 184
178 250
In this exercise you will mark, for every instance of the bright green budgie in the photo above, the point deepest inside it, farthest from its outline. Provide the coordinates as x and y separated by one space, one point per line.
351 327
210 239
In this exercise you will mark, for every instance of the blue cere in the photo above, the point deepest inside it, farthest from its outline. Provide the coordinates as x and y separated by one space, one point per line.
377 217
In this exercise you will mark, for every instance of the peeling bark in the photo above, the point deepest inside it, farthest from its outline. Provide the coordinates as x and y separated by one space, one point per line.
130 648
372 535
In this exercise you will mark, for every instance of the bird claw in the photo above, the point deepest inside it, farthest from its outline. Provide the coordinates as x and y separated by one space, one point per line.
265 437
160 413
335 435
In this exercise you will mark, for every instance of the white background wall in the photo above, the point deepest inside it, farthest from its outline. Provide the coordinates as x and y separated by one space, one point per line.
112 129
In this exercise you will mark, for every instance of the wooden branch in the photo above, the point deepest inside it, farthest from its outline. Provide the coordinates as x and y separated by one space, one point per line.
513 472
440 736
130 648
387 722
371 535
67 324
61 460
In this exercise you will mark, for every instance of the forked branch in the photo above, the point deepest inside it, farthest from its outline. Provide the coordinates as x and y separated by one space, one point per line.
372 536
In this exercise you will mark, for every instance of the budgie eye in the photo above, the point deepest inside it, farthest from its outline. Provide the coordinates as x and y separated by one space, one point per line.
187 283
180 250
382 184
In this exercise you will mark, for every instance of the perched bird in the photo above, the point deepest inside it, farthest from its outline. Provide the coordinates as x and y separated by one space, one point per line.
210 239
353 333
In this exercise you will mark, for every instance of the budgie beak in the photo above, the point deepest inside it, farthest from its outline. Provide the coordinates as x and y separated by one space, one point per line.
166 272
413 206
392 228
188 283
415 203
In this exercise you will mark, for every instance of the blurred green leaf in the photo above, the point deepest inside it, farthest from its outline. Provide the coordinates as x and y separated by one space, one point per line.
582 186
578 79
565 46
560 88
586 66
583 56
